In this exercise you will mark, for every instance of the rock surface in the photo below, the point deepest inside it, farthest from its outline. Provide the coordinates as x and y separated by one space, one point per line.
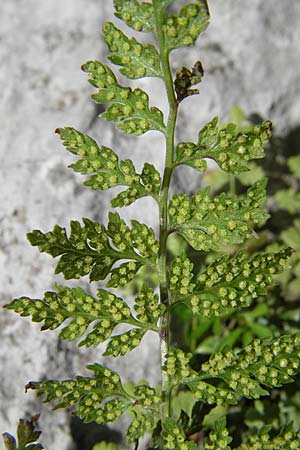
250 54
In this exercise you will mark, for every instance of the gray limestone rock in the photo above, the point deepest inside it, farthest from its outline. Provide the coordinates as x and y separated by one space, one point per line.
250 54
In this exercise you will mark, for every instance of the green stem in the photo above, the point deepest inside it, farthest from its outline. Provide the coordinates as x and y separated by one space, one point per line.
232 184
163 209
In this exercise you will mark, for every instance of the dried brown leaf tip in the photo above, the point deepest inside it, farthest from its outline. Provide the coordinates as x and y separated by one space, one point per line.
187 78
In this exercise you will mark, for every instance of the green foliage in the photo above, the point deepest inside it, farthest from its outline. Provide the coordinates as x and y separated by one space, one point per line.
137 60
182 30
106 171
264 362
179 30
129 108
80 311
174 437
215 272
93 249
286 439
210 223
290 281
27 436
229 283
177 365
269 363
139 16
278 313
147 306
218 438
230 148
101 398
148 184
294 165
289 200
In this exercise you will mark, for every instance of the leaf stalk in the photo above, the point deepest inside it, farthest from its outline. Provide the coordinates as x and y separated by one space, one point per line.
163 209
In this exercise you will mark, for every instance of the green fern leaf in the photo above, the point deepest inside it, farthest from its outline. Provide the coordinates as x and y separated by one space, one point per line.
137 60
143 423
129 108
230 375
88 249
122 275
148 306
268 362
139 16
213 395
27 436
106 171
286 439
218 438
88 394
148 185
146 412
101 398
183 29
177 366
174 438
80 311
230 148
123 343
291 236
210 223
9 441
181 274
288 199
102 162
230 282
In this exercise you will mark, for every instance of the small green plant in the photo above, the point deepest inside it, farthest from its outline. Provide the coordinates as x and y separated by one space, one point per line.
27 436
229 282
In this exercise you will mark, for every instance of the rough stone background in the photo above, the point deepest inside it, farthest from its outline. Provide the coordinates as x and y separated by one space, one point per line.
251 54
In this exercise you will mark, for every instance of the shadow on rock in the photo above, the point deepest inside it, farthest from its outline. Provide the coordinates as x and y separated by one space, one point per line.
86 435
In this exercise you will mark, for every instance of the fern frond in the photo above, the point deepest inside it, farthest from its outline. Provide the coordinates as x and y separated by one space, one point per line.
230 148
268 362
148 185
285 439
182 29
174 437
136 60
92 249
229 283
129 108
209 223
138 15
218 438
106 171
78 310
101 398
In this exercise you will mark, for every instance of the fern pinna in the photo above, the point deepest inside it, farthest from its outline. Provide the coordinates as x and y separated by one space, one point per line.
116 253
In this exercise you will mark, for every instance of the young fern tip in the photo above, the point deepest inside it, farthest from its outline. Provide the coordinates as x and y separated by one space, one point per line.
219 225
